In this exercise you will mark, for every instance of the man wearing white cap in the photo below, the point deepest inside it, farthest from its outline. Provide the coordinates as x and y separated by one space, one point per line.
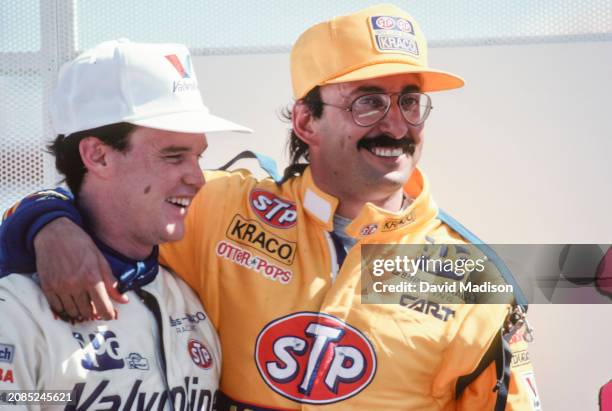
131 127
278 264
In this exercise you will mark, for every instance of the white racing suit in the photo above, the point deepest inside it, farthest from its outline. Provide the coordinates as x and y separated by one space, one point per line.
162 352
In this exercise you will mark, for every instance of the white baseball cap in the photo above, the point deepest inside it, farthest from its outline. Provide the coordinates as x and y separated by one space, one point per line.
149 85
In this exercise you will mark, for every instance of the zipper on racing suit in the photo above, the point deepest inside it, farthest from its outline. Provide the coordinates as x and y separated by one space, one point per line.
153 305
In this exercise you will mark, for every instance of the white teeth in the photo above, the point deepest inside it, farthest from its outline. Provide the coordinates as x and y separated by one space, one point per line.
386 152
181 201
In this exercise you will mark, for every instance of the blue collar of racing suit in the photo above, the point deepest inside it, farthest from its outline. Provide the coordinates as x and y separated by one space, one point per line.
130 273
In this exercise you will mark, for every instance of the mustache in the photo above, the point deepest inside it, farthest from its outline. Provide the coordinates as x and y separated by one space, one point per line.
407 143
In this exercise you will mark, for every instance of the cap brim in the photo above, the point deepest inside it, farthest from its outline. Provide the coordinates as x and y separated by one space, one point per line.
190 122
433 80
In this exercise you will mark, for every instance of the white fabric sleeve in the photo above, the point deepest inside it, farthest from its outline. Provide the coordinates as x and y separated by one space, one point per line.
22 340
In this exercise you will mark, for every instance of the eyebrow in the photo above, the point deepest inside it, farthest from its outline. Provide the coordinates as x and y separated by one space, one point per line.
180 149
174 149
411 88
368 89
376 89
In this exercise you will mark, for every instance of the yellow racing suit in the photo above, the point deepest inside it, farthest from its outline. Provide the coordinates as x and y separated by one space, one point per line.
293 329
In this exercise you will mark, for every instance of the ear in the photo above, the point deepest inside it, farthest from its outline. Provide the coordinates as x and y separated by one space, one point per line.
303 124
94 154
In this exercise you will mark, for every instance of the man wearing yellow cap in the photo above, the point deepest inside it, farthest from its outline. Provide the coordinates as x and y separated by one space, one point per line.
279 264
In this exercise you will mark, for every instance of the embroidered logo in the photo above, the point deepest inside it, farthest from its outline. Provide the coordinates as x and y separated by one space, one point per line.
393 34
314 358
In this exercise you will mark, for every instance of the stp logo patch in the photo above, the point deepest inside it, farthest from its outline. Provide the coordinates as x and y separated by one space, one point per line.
314 358
368 229
199 354
405 25
385 22
273 210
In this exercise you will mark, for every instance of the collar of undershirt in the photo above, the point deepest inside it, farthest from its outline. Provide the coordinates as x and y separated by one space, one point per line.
340 224
130 273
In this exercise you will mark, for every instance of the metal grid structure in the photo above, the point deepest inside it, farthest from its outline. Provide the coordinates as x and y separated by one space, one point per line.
37 36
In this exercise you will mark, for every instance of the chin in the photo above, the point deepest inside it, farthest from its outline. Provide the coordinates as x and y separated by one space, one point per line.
173 232
396 179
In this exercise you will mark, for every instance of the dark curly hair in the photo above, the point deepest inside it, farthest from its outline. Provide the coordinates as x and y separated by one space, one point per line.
298 150
68 159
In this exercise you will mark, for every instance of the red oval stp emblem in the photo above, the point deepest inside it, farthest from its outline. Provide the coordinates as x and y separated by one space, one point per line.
199 354
405 25
385 22
273 210
314 358
368 229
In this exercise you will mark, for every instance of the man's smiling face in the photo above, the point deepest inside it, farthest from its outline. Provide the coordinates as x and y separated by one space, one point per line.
156 180
376 160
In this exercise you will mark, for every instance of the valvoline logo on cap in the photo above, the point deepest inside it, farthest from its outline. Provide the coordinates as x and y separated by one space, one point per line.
314 358
184 67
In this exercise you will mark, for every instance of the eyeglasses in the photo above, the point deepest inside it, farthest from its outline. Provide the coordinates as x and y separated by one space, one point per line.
369 109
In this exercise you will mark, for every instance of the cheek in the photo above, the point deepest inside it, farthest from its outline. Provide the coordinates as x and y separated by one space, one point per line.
418 134
343 143
339 146
139 187
349 140
419 146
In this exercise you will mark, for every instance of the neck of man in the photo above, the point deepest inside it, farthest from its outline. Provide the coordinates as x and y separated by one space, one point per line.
105 221
351 202
350 206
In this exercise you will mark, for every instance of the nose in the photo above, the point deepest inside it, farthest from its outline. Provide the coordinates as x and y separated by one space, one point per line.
194 176
394 124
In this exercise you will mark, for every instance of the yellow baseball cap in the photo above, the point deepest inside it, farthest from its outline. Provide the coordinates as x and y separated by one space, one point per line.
375 42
